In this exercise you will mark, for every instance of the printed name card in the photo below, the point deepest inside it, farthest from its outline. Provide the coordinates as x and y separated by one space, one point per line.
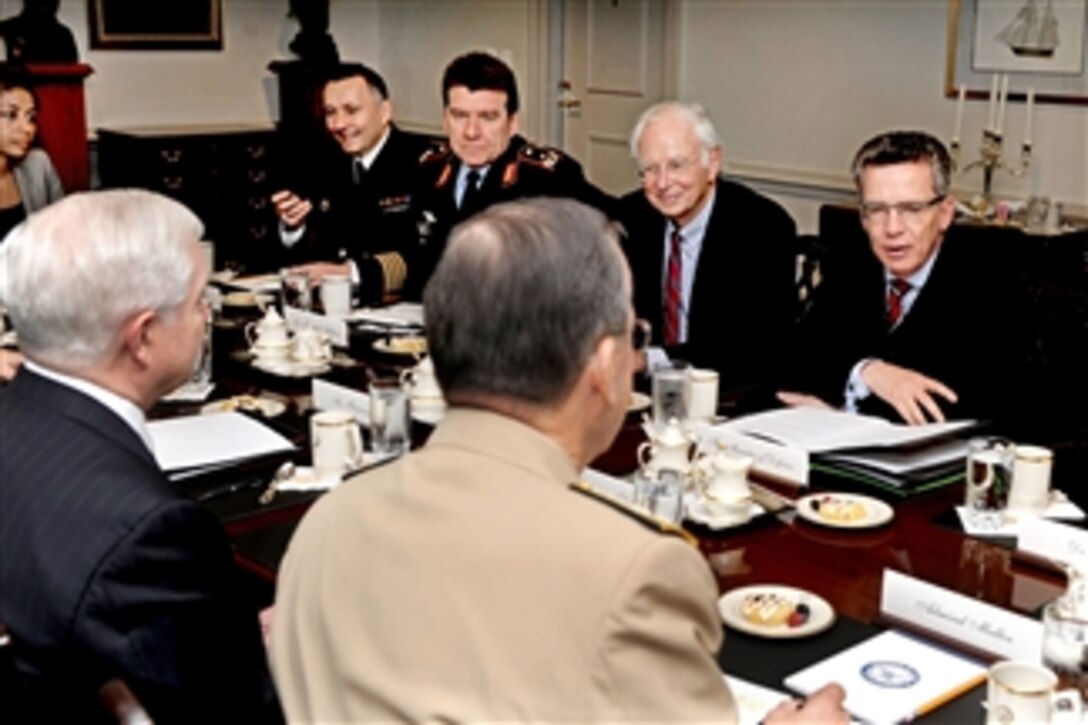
963 619
335 327
1051 540
330 396
769 458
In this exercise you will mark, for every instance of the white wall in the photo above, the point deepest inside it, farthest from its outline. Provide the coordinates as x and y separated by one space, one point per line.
796 86
144 87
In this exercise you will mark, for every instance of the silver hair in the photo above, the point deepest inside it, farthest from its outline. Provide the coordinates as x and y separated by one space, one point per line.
523 292
692 113
74 272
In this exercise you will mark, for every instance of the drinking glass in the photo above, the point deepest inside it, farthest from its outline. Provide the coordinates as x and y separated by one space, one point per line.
661 494
671 393
988 479
390 416
1065 648
296 289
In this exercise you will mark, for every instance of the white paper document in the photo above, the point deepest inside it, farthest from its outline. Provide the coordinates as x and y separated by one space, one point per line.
402 314
815 430
753 701
1010 524
212 440
892 677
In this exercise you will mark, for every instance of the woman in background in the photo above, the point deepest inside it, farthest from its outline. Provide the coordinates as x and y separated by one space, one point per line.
28 180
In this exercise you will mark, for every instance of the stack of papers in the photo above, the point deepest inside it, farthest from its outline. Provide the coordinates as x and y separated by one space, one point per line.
892 677
193 444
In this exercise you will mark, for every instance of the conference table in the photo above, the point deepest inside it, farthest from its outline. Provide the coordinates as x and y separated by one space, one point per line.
845 567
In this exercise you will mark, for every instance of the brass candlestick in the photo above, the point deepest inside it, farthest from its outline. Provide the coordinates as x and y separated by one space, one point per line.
989 160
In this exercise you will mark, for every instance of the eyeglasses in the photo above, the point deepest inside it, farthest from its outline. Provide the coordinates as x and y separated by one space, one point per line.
908 211
672 167
640 335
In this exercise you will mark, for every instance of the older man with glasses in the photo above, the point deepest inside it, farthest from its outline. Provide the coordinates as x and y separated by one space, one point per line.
924 328
476 579
713 261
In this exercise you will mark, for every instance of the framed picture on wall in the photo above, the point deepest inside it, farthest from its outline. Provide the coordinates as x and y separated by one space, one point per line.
143 25
1039 43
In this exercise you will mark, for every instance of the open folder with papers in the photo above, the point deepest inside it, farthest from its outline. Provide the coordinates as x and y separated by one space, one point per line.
859 449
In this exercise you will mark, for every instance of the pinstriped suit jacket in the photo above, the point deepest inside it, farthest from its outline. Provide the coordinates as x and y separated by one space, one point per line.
108 571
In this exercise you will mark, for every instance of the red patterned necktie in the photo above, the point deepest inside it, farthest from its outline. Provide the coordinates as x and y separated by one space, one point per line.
894 306
673 291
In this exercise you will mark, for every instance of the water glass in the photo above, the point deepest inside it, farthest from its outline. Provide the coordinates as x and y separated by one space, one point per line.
671 393
296 289
988 480
661 495
390 416
1065 648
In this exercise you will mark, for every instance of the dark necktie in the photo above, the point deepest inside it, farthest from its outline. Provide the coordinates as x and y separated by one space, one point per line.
471 195
894 304
673 290
358 171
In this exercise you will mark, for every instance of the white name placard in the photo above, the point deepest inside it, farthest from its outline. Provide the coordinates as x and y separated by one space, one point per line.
771 459
335 327
330 396
1052 540
961 618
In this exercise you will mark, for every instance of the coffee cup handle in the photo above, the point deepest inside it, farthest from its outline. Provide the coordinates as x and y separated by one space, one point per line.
1066 706
355 448
407 377
251 339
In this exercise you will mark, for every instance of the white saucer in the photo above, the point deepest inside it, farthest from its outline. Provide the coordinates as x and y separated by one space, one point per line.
877 513
696 510
821 615
639 401
242 298
291 368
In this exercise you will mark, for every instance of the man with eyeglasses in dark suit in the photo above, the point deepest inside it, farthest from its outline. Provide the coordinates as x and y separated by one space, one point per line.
923 328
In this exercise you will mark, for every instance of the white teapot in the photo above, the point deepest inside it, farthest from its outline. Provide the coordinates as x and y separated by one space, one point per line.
725 475
268 336
669 449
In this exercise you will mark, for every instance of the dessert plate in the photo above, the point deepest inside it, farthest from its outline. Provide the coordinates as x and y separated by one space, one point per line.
844 510
412 346
639 401
732 606
268 407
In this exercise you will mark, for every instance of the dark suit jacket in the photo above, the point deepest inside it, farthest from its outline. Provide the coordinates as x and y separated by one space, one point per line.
968 328
107 571
358 220
523 170
743 299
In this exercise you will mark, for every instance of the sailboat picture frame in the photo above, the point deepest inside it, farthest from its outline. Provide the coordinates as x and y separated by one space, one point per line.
1040 43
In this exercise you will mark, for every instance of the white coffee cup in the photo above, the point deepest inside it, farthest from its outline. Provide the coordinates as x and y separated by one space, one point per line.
311 346
1024 692
704 395
336 294
335 442
1030 489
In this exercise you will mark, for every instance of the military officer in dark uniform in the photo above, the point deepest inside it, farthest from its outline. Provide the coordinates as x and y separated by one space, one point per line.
485 161
351 208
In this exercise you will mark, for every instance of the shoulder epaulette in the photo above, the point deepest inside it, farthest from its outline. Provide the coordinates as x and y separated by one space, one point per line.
641 515
438 151
543 157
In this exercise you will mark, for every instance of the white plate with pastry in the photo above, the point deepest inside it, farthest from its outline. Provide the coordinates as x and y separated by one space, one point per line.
268 407
775 611
844 510
413 345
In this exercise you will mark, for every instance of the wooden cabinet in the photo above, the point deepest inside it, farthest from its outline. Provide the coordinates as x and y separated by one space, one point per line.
222 173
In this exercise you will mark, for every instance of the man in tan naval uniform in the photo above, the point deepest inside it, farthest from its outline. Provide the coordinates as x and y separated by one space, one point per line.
473 579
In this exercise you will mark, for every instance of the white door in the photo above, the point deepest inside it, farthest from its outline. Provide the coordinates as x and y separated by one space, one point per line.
617 60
